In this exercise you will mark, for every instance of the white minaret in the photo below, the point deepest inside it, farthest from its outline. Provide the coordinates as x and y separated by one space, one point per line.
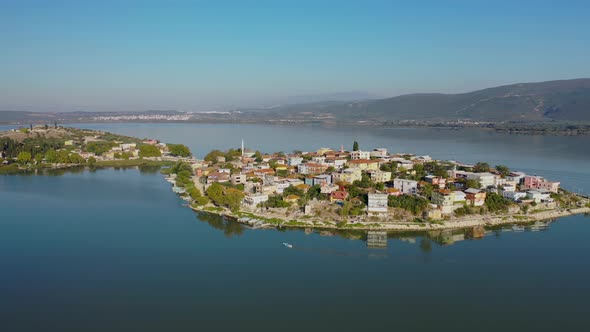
242 147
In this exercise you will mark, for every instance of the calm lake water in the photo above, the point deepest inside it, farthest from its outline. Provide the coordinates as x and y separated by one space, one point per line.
115 250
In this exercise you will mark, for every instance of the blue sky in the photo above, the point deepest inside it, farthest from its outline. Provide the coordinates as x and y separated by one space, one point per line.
199 55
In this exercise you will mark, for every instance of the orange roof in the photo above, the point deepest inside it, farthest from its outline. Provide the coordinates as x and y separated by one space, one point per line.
314 165
339 194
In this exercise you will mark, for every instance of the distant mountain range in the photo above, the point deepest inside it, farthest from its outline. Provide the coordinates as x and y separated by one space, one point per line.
562 101
565 100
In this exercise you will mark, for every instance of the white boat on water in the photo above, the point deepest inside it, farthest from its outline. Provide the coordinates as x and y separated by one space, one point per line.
288 245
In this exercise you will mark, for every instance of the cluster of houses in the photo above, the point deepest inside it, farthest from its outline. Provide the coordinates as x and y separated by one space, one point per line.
129 149
271 174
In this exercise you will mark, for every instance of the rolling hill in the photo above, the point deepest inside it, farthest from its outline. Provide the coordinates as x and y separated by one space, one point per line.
565 100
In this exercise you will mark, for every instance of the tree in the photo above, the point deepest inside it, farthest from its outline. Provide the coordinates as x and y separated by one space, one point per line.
496 202
503 170
215 193
410 203
147 150
365 182
291 190
51 156
277 202
99 147
91 161
481 167
427 190
195 193
233 198
258 156
314 191
214 155
471 183
24 157
38 158
355 146
76 159
179 150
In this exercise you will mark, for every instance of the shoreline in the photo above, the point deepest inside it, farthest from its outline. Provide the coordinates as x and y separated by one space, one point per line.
517 129
257 221
100 164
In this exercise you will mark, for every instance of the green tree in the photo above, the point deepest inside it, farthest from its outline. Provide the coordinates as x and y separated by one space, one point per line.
258 156
203 200
24 157
481 167
75 158
213 155
503 170
63 157
427 190
215 193
355 146
195 193
233 198
51 156
496 202
147 150
471 183
291 190
414 204
99 147
179 150
38 158
91 161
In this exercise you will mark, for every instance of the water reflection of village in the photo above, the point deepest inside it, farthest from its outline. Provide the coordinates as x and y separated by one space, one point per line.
380 239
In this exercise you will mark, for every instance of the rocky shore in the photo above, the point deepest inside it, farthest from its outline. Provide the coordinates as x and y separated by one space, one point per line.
259 221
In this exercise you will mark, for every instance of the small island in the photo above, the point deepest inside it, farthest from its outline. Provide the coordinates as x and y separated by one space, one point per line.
371 190
43 148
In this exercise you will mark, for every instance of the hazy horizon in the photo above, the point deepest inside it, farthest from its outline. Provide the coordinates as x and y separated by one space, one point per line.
199 55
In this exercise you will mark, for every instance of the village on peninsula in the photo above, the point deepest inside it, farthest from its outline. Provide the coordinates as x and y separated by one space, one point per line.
372 190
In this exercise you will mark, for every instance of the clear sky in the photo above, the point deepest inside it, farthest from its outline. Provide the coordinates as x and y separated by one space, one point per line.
195 55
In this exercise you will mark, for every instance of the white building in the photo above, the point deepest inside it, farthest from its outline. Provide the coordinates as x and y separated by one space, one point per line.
255 199
380 176
459 197
328 189
409 187
514 195
517 177
294 161
485 179
377 204
379 153
355 155
405 164
538 195
238 179
318 160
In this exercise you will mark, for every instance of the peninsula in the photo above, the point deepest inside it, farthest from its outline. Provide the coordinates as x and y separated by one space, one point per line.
366 190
